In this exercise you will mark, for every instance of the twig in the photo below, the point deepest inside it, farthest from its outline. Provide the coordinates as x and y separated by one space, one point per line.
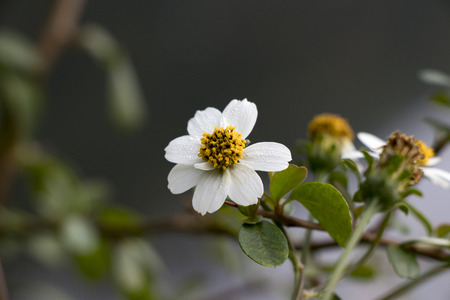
411 284
192 223
290 221
60 29
3 287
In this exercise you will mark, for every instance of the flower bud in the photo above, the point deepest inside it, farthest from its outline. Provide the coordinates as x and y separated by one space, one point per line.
330 135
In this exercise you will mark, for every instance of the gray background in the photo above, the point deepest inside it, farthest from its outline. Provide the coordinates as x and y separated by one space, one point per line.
294 59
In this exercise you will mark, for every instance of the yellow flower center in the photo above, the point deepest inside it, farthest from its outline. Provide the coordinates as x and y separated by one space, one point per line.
222 148
330 124
426 151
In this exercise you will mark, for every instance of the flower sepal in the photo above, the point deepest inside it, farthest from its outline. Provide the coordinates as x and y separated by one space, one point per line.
250 210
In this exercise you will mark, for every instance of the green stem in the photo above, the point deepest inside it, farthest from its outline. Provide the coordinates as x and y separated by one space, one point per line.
373 245
298 267
296 293
304 256
3 287
411 284
341 264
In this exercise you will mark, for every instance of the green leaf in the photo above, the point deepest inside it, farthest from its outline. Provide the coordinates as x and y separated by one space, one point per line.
327 206
421 217
357 197
369 159
264 243
286 180
441 98
409 192
443 230
46 248
358 211
21 98
79 235
404 209
338 178
94 264
126 99
134 265
442 128
363 272
351 165
403 261
17 52
118 218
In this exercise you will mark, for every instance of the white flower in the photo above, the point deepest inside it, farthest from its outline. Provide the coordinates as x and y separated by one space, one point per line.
214 158
375 145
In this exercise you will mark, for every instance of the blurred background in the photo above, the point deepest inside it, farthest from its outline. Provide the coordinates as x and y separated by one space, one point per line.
294 59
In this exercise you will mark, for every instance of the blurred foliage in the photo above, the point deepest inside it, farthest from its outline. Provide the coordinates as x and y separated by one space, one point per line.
126 101
69 218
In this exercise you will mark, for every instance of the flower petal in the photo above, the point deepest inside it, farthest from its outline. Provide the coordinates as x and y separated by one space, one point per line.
211 191
267 156
183 150
204 121
246 185
205 166
433 161
353 155
347 147
183 177
437 176
241 114
370 141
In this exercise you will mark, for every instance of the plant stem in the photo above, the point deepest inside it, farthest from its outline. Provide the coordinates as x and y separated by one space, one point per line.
411 284
298 275
341 264
304 256
374 244
298 267
3 286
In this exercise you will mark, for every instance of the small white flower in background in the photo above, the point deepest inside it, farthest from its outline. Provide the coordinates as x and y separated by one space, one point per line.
215 159
375 146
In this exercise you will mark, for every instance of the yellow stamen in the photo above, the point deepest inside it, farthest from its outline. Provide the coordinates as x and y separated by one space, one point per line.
426 151
222 148
330 124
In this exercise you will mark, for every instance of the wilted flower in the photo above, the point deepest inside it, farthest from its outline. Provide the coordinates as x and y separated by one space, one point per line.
216 158
422 156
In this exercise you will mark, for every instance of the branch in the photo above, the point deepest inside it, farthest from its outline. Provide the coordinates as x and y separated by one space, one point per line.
194 223
59 30
3 287
411 284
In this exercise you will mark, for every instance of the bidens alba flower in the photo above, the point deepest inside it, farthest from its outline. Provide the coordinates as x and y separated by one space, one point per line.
330 137
335 127
215 158
424 163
